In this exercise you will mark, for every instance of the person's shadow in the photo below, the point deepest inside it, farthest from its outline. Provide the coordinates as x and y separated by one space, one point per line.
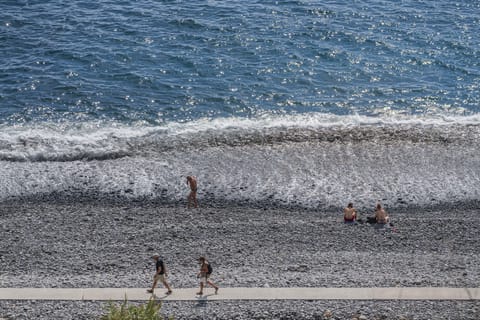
202 300
160 297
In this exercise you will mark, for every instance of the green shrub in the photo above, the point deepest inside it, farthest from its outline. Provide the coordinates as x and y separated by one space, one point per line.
147 311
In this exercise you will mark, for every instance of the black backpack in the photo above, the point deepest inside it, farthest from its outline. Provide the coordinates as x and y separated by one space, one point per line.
210 269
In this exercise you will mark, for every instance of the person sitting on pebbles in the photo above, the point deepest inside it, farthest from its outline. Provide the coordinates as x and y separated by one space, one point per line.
349 214
381 215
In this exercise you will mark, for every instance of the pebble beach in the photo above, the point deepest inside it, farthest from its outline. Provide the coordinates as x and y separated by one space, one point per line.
258 245
284 111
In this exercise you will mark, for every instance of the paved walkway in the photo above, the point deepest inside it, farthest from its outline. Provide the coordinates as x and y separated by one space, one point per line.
396 293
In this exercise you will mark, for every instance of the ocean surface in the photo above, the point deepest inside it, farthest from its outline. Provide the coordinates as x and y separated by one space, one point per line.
309 103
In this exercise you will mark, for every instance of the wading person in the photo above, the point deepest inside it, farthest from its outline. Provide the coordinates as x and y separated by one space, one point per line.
192 197
204 275
160 275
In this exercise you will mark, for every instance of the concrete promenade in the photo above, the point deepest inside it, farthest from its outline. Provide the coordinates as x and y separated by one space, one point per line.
186 294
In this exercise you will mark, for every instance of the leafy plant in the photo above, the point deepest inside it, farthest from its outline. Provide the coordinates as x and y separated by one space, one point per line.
124 311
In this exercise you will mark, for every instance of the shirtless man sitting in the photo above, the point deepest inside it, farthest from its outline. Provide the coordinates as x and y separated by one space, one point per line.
381 215
192 197
349 213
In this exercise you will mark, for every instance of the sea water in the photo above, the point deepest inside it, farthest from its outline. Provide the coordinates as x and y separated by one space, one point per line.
311 103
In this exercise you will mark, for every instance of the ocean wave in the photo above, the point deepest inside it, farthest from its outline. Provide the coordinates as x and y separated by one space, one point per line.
110 140
312 161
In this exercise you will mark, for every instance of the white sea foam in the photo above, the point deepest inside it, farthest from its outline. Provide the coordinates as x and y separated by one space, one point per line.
316 120
105 140
430 160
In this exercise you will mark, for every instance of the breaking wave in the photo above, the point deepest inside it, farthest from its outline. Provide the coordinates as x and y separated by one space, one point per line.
107 141
306 160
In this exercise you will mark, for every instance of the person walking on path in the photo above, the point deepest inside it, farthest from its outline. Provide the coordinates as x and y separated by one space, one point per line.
192 197
160 275
204 275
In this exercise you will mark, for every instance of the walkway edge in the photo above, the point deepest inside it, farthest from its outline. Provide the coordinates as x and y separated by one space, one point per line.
188 294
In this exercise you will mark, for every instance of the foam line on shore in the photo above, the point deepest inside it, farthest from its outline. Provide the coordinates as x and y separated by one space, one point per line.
104 140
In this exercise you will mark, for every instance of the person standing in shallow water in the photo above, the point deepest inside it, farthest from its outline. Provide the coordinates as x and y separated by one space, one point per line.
160 274
192 197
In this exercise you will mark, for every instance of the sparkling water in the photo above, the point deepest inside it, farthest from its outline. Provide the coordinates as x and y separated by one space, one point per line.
312 103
